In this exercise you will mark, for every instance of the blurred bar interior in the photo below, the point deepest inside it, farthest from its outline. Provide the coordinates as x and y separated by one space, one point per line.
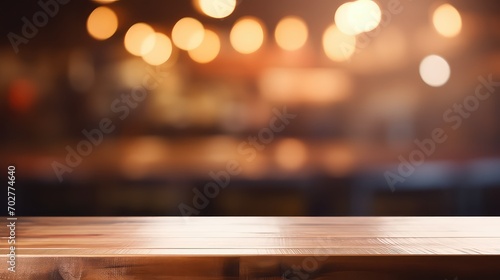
252 107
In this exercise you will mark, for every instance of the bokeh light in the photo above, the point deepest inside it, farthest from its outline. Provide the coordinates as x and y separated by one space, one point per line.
208 49
342 18
216 8
135 39
291 33
247 35
188 33
337 45
161 51
447 20
22 95
434 70
102 23
357 17
291 154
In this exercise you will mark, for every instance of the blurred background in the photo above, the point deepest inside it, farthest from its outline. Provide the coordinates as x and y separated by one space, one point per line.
251 107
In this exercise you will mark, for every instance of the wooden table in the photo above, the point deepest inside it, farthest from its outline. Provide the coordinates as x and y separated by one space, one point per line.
255 248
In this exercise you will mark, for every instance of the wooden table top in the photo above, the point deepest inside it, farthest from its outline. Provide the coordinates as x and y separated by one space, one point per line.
249 243
236 236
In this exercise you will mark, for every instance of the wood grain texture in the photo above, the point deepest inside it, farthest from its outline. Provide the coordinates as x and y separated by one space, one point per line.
256 248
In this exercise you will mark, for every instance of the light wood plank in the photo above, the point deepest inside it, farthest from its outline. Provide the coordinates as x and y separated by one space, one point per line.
255 247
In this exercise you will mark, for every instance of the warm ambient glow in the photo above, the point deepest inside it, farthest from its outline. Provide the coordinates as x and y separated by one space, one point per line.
247 35
291 154
81 72
216 8
291 33
337 45
304 85
102 23
161 51
22 95
208 50
434 70
142 156
135 39
105 1
447 20
188 33
357 17
339 160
